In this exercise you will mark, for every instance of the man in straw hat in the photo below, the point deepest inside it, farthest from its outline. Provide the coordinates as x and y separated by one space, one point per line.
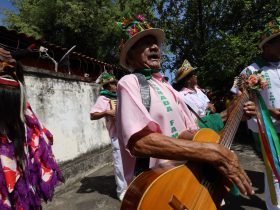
160 131
28 170
269 66
105 106
186 81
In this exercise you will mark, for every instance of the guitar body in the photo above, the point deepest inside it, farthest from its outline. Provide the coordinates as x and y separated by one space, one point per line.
178 187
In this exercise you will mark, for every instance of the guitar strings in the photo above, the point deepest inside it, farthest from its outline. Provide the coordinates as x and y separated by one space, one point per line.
231 133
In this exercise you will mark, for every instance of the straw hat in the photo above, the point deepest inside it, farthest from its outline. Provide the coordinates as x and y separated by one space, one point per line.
272 30
134 29
106 78
183 71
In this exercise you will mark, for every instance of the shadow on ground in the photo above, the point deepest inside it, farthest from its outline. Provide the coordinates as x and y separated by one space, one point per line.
244 202
102 184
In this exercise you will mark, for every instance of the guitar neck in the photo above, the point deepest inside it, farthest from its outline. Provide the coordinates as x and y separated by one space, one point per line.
233 120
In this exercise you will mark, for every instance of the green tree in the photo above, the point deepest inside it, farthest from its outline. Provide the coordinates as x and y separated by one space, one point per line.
89 24
218 36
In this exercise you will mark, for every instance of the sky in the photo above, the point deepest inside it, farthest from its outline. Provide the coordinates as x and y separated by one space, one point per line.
7 5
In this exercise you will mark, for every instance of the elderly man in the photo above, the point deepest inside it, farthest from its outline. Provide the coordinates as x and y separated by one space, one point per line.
163 132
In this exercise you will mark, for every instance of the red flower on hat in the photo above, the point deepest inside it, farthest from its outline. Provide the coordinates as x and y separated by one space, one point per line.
140 18
133 30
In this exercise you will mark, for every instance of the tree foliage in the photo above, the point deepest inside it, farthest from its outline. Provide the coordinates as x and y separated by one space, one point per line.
218 36
89 24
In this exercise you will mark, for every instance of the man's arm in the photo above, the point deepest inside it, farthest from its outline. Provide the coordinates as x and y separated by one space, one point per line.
98 115
147 144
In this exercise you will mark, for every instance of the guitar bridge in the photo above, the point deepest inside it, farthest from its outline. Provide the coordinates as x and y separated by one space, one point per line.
176 204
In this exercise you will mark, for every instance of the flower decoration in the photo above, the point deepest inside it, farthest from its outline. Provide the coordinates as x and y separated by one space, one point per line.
254 81
140 18
133 30
271 29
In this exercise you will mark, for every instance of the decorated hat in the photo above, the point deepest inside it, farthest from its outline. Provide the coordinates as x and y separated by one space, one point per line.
134 29
272 30
105 78
183 71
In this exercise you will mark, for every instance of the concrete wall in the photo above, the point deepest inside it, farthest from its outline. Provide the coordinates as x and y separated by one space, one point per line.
63 106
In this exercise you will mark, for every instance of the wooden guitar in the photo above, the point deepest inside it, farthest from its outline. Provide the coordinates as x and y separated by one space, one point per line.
190 186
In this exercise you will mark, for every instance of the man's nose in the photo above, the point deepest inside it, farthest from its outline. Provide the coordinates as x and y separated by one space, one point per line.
154 47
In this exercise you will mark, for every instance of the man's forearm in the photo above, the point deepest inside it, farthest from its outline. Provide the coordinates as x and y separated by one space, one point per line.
97 115
160 146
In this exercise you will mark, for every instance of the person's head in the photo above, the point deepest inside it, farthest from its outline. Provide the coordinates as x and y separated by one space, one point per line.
145 53
271 49
270 40
111 86
141 46
12 106
107 81
12 91
185 77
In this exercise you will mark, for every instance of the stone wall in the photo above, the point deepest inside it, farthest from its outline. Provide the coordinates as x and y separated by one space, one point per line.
63 103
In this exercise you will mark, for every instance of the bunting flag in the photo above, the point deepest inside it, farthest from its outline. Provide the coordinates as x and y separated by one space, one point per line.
270 145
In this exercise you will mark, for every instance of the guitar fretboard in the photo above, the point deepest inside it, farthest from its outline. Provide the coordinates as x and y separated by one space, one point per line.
233 121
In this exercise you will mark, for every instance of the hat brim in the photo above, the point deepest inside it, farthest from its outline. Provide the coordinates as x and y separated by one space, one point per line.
184 77
156 32
267 39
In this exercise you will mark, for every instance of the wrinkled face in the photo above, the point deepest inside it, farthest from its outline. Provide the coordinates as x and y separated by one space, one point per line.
272 49
144 54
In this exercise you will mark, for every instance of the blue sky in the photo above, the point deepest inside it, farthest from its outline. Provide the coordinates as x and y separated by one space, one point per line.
4 4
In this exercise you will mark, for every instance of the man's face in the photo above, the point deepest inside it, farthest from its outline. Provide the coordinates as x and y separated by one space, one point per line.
144 54
112 86
272 49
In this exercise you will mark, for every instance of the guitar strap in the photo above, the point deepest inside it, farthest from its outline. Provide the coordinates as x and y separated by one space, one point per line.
142 164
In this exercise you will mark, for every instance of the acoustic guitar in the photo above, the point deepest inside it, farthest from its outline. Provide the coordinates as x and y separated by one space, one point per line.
190 186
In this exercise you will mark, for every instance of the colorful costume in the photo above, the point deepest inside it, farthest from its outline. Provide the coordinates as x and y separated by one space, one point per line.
24 189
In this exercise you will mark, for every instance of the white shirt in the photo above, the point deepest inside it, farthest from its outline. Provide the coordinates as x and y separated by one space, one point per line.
196 99
271 94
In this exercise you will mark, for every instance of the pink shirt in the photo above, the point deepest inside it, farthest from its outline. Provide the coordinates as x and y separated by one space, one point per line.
101 105
168 115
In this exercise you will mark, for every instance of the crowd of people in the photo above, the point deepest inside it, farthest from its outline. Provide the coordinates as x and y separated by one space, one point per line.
150 122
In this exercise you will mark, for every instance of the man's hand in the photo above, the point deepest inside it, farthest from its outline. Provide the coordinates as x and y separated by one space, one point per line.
228 164
275 113
111 113
211 107
250 109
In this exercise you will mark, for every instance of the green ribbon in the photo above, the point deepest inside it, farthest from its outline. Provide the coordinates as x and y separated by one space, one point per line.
147 72
108 93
